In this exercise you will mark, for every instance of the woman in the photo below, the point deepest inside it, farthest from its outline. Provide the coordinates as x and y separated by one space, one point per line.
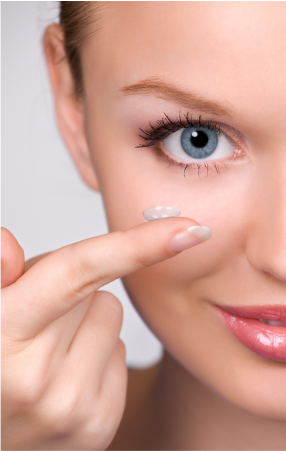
175 104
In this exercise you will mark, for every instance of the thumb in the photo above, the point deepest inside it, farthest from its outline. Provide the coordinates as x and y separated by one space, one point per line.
12 258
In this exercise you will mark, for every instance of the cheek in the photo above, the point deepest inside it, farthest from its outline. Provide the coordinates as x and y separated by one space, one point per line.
173 296
220 203
135 179
132 180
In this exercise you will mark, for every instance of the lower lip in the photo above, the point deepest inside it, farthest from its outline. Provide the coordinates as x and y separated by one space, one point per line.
263 339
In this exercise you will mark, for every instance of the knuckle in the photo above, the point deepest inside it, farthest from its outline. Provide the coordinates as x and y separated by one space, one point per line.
23 392
74 415
104 422
78 281
30 395
24 379
82 277
76 412
62 416
32 389
59 423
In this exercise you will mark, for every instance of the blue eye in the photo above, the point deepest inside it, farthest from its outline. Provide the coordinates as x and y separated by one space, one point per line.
197 143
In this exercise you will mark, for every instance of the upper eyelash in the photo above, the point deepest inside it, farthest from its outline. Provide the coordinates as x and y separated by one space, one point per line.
166 127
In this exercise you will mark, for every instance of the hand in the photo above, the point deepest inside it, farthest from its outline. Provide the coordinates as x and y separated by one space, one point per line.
12 258
64 375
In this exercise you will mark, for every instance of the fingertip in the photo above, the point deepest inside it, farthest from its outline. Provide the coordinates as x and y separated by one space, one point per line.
147 244
110 304
12 258
190 237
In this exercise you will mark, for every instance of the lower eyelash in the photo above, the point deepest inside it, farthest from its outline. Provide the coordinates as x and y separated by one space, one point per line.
217 165
166 126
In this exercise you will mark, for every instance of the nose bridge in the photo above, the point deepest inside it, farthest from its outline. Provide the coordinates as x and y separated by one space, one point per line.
266 246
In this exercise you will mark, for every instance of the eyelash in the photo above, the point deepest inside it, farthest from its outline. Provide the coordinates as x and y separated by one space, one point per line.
154 135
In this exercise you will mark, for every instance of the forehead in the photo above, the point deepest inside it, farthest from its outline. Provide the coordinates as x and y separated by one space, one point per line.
215 47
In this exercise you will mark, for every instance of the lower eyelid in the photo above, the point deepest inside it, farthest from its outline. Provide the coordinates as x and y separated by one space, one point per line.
154 137
207 166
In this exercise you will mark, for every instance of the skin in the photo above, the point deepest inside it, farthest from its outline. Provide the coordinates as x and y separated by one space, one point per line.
226 52
230 53
64 375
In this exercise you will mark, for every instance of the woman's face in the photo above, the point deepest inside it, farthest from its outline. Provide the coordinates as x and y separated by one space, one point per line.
227 62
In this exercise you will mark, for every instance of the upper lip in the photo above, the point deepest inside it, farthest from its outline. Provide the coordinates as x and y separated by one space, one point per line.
270 312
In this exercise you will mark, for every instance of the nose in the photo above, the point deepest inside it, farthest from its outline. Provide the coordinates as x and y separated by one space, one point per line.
266 244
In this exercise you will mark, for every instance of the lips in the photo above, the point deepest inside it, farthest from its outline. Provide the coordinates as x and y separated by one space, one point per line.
259 328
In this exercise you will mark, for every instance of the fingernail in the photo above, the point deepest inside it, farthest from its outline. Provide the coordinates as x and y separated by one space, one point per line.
189 238
161 212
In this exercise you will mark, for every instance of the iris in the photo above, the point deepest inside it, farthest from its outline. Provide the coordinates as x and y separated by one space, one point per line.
199 142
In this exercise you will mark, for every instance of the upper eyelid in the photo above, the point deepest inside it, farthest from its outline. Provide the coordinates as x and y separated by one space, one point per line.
228 130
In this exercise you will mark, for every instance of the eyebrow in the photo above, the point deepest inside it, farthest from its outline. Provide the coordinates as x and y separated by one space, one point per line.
168 91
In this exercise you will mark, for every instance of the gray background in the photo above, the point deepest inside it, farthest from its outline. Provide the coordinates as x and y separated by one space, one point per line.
44 202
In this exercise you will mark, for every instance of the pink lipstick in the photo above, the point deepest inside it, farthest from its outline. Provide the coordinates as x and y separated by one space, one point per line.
261 328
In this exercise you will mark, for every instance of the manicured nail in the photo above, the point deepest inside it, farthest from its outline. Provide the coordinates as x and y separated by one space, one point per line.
189 238
161 212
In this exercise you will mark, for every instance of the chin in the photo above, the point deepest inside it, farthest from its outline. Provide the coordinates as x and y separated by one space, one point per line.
255 385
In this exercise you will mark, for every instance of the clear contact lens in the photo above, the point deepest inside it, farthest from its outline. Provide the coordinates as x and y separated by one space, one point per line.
161 212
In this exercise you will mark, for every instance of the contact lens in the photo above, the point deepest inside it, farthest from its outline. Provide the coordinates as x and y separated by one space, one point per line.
161 212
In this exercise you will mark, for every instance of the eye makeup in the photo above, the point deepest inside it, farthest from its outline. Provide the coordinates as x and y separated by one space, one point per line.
154 136
166 126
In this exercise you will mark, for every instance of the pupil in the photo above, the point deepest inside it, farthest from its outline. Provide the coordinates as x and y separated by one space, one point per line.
199 139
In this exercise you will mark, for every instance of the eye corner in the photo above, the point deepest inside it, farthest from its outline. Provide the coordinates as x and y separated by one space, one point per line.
166 141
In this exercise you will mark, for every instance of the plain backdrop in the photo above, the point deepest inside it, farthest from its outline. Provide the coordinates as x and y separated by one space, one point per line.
44 202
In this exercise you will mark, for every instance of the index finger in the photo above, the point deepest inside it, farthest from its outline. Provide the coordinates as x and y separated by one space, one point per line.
67 276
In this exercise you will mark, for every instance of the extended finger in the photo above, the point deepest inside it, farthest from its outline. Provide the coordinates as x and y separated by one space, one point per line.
67 276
